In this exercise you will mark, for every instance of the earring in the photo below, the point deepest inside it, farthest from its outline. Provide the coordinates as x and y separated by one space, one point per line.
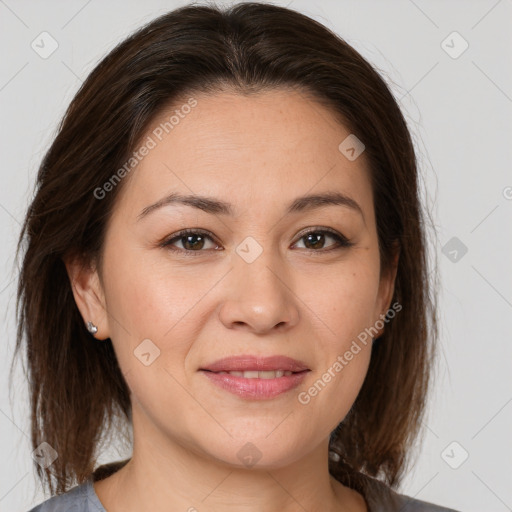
92 328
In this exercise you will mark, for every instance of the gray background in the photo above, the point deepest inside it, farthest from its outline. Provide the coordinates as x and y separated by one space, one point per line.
459 110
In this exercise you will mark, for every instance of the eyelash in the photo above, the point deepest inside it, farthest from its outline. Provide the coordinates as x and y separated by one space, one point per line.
341 241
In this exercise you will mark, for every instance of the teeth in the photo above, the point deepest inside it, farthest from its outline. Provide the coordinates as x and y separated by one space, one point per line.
268 374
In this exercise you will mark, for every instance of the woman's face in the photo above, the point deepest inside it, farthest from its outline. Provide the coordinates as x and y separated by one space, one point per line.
257 286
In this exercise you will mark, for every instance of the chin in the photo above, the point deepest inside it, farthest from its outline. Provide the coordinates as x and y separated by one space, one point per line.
254 452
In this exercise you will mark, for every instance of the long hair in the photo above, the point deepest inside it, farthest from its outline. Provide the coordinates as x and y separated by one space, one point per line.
77 390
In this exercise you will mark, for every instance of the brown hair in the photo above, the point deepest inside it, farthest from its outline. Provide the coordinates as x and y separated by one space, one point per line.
77 390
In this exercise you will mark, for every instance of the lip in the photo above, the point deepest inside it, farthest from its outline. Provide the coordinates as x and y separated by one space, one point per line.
256 363
256 389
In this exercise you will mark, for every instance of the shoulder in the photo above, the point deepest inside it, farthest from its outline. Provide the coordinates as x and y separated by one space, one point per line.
381 498
80 498
412 505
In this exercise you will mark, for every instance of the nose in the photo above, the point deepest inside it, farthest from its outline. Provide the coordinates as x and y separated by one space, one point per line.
258 298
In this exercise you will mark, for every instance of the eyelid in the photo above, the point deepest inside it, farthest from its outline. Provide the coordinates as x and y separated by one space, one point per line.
166 243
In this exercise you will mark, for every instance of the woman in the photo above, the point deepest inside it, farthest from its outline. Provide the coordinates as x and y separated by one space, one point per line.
226 253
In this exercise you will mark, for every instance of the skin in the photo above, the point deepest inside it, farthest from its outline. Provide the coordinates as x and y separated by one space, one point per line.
259 153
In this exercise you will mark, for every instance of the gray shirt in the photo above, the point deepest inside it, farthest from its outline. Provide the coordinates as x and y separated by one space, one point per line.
379 498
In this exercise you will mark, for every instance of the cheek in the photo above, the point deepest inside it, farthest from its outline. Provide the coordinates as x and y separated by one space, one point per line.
152 332
148 295
341 298
146 303
343 311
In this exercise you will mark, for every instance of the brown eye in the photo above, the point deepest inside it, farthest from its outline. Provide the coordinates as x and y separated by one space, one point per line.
190 240
315 240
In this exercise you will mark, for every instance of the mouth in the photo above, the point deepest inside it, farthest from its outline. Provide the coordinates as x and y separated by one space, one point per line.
250 364
255 374
252 377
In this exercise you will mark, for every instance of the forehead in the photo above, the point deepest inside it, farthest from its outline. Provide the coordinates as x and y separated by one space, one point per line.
265 146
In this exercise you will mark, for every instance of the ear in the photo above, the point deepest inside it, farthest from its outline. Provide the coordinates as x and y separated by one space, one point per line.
387 287
88 293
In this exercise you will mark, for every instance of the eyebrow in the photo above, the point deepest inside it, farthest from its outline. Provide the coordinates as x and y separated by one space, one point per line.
217 206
